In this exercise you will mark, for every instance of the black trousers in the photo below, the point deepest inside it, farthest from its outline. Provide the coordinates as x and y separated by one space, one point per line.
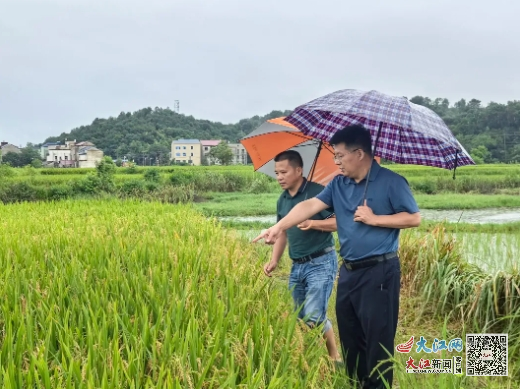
367 307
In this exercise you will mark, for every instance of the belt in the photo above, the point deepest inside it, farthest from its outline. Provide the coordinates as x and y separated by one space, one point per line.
316 254
369 261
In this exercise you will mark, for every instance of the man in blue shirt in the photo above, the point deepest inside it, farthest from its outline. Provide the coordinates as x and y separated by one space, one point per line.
367 303
311 248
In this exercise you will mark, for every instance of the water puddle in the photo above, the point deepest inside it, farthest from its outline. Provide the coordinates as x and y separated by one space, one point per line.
474 216
491 252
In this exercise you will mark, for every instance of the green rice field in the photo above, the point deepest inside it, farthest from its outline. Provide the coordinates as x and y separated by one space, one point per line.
130 294
130 281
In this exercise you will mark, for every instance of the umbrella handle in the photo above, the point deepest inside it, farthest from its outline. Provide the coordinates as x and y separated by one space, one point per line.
456 162
374 154
313 167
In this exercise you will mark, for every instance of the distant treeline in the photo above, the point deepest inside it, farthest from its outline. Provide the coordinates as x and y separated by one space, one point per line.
491 133
149 132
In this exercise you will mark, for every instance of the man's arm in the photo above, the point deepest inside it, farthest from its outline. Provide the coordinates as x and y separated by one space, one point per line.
298 214
301 212
327 225
407 213
279 248
364 214
399 220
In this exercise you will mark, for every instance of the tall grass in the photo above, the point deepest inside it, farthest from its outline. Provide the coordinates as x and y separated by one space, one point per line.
434 267
406 170
501 185
112 294
439 300
491 252
122 294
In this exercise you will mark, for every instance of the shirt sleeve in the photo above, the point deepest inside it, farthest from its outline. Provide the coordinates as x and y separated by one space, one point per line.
278 217
401 196
326 196
325 214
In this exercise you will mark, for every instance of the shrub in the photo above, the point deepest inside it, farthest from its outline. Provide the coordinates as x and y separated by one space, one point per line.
7 171
88 185
173 194
181 178
133 187
259 186
152 175
59 192
22 191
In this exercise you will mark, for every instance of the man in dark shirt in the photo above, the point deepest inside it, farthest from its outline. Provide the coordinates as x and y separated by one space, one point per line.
311 248
367 303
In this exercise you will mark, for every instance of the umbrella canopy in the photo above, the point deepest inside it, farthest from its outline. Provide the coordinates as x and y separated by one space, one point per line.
277 135
402 132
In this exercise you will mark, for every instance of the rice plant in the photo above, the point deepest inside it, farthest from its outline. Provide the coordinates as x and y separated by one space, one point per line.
111 294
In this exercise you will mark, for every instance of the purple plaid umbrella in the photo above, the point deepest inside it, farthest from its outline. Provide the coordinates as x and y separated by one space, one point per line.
402 132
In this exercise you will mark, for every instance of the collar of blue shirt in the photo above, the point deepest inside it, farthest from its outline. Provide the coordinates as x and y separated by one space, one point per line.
374 169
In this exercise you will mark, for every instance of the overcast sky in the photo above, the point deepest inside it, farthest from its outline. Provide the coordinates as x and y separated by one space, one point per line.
65 62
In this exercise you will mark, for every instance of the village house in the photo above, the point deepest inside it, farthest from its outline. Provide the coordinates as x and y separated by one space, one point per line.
73 154
195 152
207 145
9 148
239 153
187 150
44 149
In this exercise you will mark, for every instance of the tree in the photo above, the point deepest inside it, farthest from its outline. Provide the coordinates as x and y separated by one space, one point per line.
25 157
480 154
133 134
146 135
159 152
222 152
106 169
36 163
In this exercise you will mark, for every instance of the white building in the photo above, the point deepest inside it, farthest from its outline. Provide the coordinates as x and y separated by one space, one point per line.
187 150
72 154
239 154
44 149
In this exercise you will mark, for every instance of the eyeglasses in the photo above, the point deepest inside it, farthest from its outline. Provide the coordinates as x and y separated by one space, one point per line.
337 157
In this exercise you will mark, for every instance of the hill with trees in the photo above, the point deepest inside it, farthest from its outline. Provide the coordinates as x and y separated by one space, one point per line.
151 131
490 133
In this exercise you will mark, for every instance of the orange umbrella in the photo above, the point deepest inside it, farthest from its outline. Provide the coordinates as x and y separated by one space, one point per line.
277 135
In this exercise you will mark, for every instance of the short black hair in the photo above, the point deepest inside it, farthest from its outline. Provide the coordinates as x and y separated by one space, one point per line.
353 136
294 158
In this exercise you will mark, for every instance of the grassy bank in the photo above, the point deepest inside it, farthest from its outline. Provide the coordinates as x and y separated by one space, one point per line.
406 170
251 204
43 184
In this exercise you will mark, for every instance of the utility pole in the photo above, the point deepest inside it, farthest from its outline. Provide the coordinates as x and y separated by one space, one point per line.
176 106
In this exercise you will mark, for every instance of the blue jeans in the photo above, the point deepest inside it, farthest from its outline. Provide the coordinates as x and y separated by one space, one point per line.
311 284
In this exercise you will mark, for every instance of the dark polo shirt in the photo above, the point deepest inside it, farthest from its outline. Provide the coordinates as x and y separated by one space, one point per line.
388 193
302 243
